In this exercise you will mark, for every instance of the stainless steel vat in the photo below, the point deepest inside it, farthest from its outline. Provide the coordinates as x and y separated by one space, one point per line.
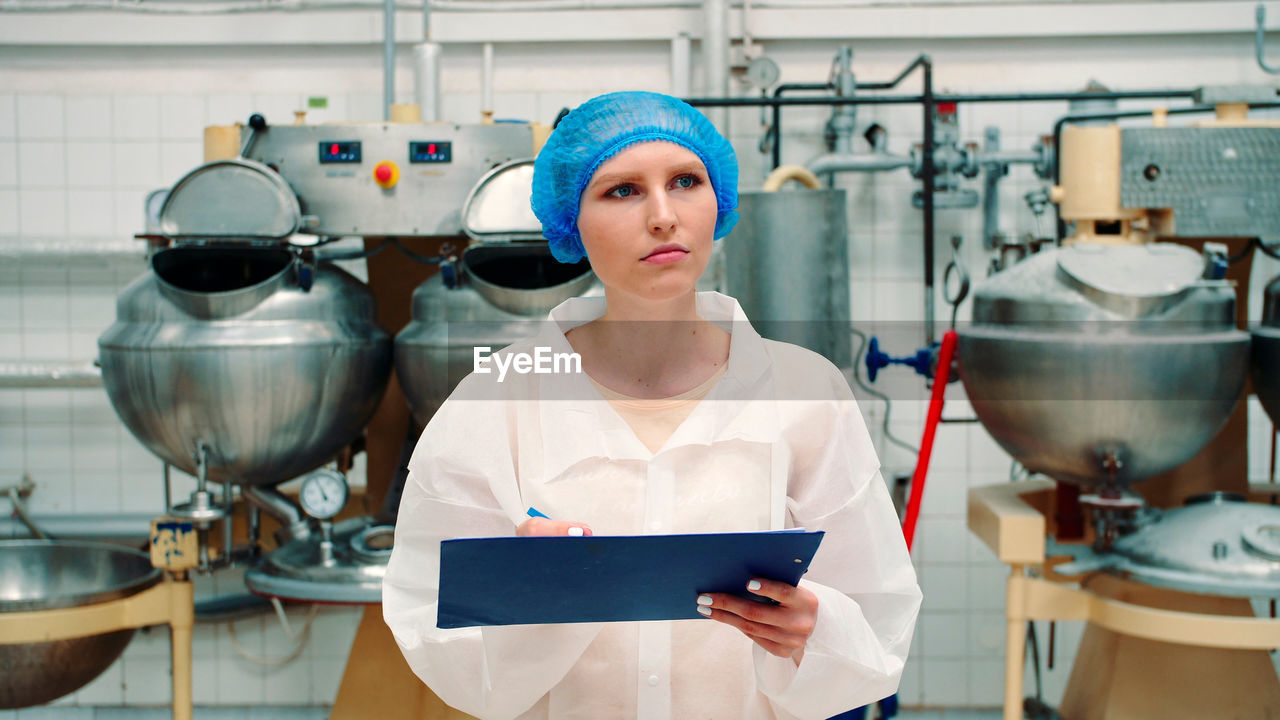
40 575
225 346
503 294
1265 366
1216 545
352 572
1096 363
788 266
500 290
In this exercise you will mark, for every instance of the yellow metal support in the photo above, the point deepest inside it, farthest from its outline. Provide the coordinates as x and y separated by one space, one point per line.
171 602
1009 526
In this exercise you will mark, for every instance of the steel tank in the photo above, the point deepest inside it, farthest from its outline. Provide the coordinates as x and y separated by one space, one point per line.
1104 364
498 291
1265 365
270 360
39 575
787 264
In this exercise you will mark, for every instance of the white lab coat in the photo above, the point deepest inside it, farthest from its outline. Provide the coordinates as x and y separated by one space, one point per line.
778 442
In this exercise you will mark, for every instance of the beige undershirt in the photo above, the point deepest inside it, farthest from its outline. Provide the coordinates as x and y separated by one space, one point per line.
653 420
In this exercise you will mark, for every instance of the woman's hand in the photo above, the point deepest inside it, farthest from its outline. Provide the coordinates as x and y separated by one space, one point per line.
542 526
781 629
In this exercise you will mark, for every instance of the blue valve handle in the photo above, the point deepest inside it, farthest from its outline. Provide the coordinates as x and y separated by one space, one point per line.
921 361
449 274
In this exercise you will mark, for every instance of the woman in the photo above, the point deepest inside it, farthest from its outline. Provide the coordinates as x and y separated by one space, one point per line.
684 420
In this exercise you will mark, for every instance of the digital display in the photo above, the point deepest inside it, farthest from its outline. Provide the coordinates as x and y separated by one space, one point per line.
431 151
339 151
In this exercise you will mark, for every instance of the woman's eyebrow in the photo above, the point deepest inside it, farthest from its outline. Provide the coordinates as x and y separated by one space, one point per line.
621 177
612 178
691 167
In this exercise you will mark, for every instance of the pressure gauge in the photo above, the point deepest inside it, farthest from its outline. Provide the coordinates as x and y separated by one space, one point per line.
763 72
324 494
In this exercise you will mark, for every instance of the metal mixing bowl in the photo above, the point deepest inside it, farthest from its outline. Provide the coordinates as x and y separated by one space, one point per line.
38 575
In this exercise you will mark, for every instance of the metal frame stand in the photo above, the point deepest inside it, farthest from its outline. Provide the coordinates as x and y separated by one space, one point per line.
171 602
1015 531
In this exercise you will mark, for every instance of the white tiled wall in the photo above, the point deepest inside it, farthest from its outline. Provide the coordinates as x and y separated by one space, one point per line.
80 148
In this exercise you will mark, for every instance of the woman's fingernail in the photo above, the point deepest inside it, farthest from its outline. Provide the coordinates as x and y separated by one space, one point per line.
704 599
575 531
704 610
753 585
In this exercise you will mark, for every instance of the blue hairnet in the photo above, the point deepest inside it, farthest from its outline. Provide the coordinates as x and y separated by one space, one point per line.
601 128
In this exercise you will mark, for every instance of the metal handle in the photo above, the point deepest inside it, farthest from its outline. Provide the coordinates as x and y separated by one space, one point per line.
1259 40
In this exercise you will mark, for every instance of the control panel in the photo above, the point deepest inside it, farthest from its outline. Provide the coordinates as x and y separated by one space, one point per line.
401 179
431 151
340 151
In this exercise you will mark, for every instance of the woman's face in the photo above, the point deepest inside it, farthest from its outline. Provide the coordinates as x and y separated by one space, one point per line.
647 220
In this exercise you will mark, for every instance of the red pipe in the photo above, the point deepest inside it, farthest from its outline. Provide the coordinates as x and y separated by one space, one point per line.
940 376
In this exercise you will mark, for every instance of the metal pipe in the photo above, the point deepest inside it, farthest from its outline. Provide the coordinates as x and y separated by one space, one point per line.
486 83
50 375
71 250
168 489
388 58
681 64
232 606
1259 40
530 5
270 501
928 101
255 528
916 99
777 101
844 118
1008 157
861 162
991 189
776 127
426 80
228 506
105 526
15 493
715 57
927 192
185 8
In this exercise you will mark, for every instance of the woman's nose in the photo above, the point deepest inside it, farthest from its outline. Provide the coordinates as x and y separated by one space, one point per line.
662 215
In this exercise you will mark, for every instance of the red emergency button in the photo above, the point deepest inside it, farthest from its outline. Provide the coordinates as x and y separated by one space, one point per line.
386 174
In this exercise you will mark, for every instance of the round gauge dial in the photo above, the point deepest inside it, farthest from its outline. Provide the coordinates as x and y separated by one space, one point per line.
763 72
324 494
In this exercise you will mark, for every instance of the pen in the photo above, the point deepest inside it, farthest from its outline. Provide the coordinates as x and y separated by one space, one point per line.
535 513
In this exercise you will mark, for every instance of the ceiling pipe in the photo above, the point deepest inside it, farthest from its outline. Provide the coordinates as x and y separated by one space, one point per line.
681 64
715 58
388 58
50 375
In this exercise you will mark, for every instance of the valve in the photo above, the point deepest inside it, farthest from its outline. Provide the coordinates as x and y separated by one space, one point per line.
1215 261
449 273
922 361
305 269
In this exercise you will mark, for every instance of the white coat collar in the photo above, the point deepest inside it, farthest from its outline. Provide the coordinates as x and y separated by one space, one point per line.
574 429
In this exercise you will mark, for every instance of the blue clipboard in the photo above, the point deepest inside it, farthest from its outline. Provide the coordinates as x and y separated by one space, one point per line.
535 580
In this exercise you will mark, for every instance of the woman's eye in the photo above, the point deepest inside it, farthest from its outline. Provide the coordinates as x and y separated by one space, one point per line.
686 181
622 191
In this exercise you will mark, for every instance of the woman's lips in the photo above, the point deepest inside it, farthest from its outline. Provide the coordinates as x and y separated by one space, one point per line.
666 254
